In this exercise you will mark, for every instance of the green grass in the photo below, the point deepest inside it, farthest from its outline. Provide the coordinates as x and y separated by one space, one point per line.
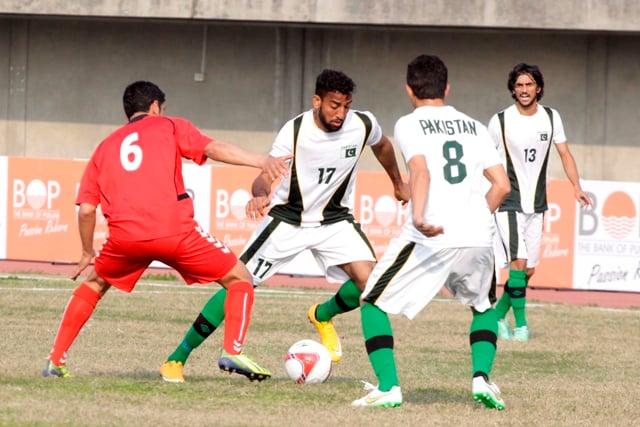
168 277
580 368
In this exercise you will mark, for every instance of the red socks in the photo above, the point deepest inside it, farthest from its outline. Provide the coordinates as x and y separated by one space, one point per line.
237 309
79 309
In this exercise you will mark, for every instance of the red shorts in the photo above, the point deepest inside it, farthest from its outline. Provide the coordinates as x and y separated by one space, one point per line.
196 255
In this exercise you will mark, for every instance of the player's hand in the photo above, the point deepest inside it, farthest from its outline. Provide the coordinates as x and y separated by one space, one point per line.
402 192
257 207
84 262
583 199
429 230
277 167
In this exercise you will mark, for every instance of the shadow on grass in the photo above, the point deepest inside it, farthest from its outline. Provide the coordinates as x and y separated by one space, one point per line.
154 375
436 395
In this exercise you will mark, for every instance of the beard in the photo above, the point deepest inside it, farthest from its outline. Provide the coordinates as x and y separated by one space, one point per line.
328 126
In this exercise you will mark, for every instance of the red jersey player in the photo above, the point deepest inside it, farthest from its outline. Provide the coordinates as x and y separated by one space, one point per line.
135 175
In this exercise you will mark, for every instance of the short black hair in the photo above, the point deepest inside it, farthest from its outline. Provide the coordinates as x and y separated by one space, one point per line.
139 96
427 77
334 81
530 70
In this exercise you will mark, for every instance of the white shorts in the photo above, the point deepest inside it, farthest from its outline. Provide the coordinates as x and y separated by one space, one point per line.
274 243
409 275
519 237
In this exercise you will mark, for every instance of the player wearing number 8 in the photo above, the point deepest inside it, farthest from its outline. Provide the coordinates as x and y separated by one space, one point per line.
447 237
135 175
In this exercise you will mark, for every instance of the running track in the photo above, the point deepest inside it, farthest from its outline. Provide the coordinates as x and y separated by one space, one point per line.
566 296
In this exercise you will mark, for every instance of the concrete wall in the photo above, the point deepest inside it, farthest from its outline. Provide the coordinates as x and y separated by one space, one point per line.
64 77
617 15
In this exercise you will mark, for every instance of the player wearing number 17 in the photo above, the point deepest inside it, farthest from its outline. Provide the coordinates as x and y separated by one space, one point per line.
310 210
135 175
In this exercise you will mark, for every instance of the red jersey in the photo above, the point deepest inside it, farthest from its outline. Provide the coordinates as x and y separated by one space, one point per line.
135 174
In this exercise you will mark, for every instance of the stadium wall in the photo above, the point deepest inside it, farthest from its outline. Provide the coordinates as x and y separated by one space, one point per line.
240 76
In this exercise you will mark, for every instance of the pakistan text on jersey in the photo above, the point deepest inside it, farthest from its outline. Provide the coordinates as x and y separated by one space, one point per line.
448 127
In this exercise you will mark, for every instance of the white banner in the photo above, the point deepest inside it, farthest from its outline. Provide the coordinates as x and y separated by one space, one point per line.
197 181
607 238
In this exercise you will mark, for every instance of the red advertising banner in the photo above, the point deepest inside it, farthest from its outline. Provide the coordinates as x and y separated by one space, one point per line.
557 248
377 210
41 214
595 248
41 210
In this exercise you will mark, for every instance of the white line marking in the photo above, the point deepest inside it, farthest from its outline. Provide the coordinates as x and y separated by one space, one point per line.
180 288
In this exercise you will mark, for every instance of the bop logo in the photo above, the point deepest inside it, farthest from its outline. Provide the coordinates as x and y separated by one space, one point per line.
618 216
37 194
234 204
551 216
386 211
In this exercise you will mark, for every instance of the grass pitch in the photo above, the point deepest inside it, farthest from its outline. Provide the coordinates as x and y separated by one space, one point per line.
581 367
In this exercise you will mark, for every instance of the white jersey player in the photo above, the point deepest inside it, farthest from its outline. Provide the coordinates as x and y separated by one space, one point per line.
457 150
524 151
524 133
320 187
312 208
447 238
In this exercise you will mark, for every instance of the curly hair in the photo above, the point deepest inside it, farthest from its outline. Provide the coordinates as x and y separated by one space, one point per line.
334 81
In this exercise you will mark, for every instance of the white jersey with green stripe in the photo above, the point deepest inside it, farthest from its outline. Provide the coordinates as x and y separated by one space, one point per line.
457 149
524 151
319 188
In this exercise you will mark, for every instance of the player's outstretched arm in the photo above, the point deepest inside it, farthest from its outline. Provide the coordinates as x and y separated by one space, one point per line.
385 154
221 151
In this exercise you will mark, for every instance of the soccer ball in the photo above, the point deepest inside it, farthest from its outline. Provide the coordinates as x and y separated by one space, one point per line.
308 362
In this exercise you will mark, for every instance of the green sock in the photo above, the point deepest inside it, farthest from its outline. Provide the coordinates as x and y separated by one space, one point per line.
208 320
378 338
483 337
504 303
346 299
518 294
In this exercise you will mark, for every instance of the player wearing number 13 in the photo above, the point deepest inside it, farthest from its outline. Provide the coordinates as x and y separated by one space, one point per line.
524 133
135 175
